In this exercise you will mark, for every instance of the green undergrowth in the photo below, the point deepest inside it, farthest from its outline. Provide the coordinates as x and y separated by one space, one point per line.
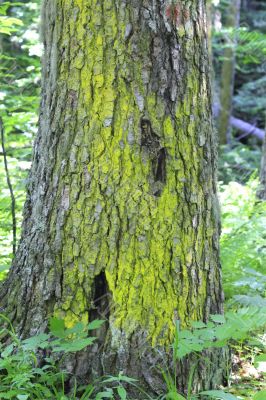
25 374
238 162
243 244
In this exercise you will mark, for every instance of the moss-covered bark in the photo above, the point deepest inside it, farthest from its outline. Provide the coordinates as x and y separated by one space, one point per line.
122 217
228 72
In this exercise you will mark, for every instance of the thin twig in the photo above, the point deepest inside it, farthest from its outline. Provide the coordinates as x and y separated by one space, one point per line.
9 184
11 150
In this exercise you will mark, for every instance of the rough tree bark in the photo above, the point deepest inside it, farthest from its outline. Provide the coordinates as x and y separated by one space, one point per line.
228 72
122 217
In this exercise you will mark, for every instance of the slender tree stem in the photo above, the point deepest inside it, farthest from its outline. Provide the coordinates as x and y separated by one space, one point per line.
13 201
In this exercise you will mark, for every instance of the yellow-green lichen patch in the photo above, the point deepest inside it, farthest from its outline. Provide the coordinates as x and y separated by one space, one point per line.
150 246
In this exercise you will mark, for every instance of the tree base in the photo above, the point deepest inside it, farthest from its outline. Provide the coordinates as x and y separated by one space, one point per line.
149 366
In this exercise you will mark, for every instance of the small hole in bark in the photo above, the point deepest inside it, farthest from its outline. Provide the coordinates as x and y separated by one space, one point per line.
146 132
158 193
150 143
149 139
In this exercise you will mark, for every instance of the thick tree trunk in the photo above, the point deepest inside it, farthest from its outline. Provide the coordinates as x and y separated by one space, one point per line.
122 217
228 72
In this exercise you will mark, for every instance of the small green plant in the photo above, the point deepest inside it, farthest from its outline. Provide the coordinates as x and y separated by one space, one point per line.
118 390
220 331
21 375
25 377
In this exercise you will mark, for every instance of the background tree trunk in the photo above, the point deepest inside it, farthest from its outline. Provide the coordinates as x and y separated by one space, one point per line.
228 72
122 218
262 188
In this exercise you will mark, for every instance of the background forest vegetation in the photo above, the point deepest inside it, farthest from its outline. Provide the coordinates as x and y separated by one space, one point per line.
243 237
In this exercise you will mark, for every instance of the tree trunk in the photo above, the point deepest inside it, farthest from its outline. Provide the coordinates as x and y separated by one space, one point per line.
121 218
262 188
228 72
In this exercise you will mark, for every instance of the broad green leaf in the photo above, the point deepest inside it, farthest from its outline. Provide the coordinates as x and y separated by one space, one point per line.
97 323
8 24
110 379
260 358
36 341
121 392
260 395
57 327
186 334
207 334
119 378
123 378
219 394
4 7
218 318
72 347
7 351
76 329
104 395
9 395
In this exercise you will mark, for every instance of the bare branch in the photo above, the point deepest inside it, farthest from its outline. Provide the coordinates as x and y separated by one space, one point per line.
13 201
